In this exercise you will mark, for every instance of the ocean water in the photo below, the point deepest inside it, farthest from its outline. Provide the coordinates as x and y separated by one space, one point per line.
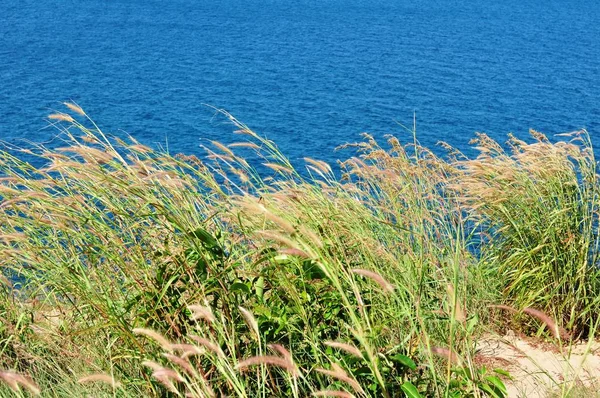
309 74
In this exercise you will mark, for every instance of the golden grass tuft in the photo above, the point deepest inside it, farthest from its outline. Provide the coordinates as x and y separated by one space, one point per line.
375 277
157 337
101 378
340 374
349 348
75 108
16 380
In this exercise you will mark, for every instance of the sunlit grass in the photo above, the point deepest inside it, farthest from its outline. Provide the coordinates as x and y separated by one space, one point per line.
129 271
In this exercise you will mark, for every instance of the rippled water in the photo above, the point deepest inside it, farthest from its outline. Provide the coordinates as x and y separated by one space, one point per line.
309 74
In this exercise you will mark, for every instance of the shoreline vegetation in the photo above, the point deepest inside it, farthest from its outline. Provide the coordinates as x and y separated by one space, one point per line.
130 272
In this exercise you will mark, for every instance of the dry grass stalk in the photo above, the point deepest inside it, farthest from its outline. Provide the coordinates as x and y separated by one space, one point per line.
250 321
187 350
15 380
181 362
557 331
375 277
319 165
310 234
208 345
279 168
140 148
152 365
446 353
350 349
294 252
340 374
165 377
333 393
277 237
260 209
162 341
63 117
201 312
223 148
74 107
167 373
282 351
100 377
268 360
250 145
458 311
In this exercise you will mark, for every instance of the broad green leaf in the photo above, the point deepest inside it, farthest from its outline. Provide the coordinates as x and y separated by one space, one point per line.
491 391
503 372
239 286
404 360
410 390
499 384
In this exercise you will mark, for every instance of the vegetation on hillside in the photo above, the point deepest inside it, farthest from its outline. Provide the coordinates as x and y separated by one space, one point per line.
128 271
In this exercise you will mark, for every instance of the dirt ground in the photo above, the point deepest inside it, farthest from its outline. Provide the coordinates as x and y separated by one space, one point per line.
543 369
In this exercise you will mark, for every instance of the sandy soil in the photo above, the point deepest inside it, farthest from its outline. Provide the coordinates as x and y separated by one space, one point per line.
539 368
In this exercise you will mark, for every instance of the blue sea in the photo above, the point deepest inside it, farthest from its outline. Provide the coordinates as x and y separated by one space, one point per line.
309 74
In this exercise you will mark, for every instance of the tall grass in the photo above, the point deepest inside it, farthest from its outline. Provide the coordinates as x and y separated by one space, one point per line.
129 271
538 205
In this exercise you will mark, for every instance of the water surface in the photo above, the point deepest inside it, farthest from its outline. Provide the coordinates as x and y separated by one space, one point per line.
309 74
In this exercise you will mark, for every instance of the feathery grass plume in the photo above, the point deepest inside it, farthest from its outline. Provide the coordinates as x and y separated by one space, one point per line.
349 348
453 299
15 380
152 365
340 374
166 376
322 166
75 108
181 362
14 237
557 331
446 353
187 350
100 377
250 145
279 168
254 207
140 148
277 237
63 117
268 360
91 155
4 280
90 139
282 351
223 148
157 337
209 345
375 277
291 251
310 234
539 206
250 321
201 312
332 393
285 361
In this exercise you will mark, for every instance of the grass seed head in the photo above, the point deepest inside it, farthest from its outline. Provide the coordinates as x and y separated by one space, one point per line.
340 374
349 348
202 312
75 108
100 377
157 337
16 380
375 277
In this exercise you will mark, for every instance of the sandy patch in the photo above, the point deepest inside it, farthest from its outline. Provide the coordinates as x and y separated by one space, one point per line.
538 368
